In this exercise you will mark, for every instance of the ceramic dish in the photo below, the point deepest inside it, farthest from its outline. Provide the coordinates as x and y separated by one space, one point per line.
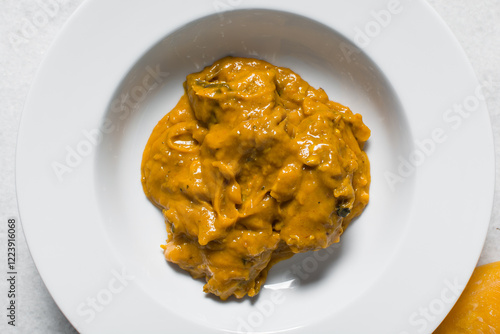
117 67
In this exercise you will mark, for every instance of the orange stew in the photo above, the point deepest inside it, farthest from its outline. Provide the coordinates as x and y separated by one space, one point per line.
252 166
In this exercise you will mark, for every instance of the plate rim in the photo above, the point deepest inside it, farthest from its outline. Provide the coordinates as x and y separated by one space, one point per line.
85 9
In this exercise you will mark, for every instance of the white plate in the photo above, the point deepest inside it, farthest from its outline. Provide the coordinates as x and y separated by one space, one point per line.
118 67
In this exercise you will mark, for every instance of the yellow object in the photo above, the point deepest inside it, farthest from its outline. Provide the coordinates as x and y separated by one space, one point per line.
478 308
252 166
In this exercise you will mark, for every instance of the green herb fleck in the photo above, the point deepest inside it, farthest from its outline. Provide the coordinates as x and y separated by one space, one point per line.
343 212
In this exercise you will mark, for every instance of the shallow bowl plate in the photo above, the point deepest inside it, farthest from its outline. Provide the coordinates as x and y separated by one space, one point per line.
118 67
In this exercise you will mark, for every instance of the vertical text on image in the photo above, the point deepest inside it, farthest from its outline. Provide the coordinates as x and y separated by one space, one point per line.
11 271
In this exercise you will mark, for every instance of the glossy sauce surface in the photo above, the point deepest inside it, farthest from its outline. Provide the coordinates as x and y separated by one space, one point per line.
252 166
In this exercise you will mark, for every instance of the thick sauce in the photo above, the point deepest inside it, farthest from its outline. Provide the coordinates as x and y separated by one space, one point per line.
252 166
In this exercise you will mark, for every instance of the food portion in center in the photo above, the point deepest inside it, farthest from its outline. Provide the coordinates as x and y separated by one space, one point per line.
252 166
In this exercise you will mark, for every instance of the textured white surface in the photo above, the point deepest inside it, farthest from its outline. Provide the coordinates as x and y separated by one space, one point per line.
27 29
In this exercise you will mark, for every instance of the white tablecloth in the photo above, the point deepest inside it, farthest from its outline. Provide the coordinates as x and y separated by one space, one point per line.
26 34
